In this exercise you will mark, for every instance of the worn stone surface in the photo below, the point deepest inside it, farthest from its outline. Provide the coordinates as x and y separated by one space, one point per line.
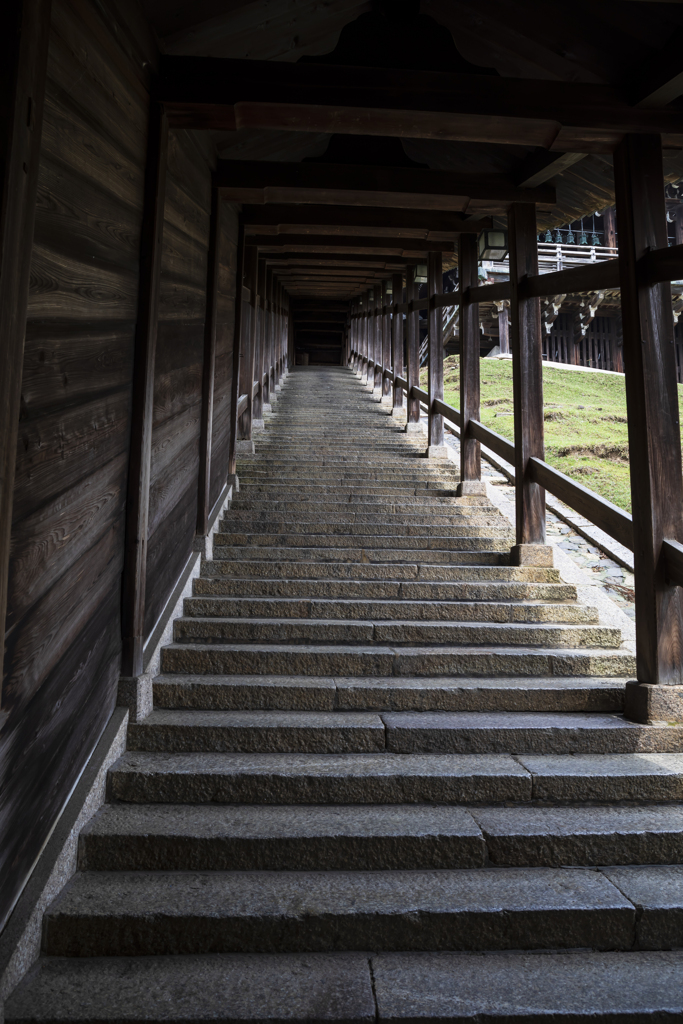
590 835
198 989
502 988
315 778
657 893
233 837
190 729
609 777
492 732
126 914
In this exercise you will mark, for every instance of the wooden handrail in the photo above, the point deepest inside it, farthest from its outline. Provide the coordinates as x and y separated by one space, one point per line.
242 402
488 292
447 411
496 442
608 517
673 553
592 277
417 392
664 264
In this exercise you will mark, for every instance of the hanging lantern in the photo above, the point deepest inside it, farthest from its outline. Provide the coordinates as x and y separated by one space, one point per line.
570 236
558 237
595 240
548 235
421 273
493 245
583 240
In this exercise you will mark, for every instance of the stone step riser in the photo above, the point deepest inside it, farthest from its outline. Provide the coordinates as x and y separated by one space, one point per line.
257 913
493 553
409 611
304 693
299 630
236 659
382 591
232 532
346 571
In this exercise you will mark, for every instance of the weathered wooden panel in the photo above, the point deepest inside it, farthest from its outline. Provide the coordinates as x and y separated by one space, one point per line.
63 641
225 325
178 370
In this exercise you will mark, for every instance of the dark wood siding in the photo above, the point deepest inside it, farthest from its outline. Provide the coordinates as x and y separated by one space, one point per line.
178 373
63 639
225 325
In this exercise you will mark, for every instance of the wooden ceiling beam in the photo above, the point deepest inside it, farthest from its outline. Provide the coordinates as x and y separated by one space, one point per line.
226 94
396 245
660 80
346 217
340 258
404 191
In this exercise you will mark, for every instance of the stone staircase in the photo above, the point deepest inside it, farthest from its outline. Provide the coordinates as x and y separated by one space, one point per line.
385 774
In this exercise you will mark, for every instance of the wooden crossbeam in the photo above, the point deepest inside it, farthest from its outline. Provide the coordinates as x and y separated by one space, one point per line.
396 245
288 216
259 182
225 94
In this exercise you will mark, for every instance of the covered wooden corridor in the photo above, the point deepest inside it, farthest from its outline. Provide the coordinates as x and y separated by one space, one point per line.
207 205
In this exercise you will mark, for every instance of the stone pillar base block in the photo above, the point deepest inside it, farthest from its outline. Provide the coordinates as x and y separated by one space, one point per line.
540 555
245 447
278 387
415 428
438 451
257 425
648 703
471 487
135 693
386 400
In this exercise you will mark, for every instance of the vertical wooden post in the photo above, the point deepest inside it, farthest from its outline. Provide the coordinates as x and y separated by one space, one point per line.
470 451
527 385
377 337
264 290
413 344
208 366
386 339
653 427
23 53
503 328
247 338
369 338
397 340
435 376
609 227
237 354
259 397
139 462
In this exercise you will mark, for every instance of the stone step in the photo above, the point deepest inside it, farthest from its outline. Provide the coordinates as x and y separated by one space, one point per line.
478 551
419 572
303 505
383 590
402 732
311 693
458 517
372 492
195 990
111 914
326 660
413 611
385 778
376 837
236 837
338 631
232 531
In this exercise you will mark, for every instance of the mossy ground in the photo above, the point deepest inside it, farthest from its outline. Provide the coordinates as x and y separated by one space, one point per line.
585 420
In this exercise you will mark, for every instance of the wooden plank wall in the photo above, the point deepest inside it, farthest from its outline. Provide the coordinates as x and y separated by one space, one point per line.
225 329
178 373
63 640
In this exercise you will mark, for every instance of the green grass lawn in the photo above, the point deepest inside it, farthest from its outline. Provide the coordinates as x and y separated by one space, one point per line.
585 420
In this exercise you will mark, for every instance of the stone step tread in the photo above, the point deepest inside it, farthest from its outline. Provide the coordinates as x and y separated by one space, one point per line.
400 732
358 609
394 693
479 527
466 553
349 660
414 572
291 630
196 990
472 540
145 777
117 913
299 837
384 590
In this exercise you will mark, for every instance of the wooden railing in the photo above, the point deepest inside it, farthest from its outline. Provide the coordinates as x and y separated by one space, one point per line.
614 521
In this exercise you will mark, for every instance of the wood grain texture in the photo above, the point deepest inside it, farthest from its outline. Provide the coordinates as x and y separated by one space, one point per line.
470 451
226 370
435 361
63 645
653 413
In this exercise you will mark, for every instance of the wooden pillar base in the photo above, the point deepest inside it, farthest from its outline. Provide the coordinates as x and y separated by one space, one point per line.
415 428
245 447
466 487
440 451
540 555
135 693
648 703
